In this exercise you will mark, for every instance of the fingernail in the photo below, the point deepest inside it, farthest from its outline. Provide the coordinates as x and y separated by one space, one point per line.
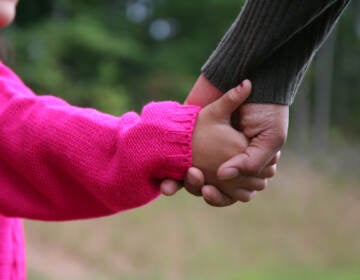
240 87
228 173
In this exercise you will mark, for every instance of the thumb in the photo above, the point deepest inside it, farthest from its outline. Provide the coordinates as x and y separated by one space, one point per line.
251 162
230 101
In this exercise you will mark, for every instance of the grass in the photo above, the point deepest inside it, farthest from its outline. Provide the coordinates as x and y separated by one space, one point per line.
304 226
264 274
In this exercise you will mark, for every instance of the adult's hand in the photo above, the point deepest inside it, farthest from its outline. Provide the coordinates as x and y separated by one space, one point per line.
266 126
204 93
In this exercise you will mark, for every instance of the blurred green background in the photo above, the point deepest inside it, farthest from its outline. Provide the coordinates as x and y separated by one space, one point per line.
116 55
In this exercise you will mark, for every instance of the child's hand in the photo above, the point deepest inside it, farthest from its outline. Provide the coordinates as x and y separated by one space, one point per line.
215 141
195 184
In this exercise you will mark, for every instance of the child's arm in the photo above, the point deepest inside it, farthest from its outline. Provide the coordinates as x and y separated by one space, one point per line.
60 162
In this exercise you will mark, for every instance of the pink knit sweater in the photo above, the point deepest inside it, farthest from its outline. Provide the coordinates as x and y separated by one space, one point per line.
60 162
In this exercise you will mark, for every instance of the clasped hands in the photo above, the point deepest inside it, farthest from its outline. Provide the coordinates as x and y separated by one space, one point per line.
231 165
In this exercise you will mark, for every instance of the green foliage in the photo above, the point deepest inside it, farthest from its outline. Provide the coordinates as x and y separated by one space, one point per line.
78 58
346 113
93 53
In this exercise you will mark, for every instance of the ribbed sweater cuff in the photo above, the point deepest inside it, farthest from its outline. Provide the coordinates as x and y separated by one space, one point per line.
174 142
272 43
249 40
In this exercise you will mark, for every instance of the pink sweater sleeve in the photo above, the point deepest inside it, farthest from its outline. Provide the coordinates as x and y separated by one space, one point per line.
60 162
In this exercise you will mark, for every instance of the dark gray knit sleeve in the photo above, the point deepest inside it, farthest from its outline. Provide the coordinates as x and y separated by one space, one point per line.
272 43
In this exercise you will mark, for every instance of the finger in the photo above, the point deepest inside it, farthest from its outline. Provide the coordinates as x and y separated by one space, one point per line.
169 187
216 198
243 182
230 101
243 195
275 159
251 162
194 180
268 172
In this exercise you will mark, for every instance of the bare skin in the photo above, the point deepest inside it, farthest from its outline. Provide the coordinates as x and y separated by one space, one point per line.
214 127
264 124
7 12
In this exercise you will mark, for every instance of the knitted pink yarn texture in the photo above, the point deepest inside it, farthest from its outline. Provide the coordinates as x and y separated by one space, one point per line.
61 162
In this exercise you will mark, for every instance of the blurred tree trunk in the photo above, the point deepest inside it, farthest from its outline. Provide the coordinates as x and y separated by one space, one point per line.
301 117
58 10
357 15
323 88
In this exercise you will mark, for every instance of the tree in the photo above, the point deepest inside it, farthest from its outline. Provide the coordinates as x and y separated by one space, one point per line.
323 90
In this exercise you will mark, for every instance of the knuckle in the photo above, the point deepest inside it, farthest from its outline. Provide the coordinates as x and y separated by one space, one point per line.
221 203
245 198
282 138
241 143
278 155
218 200
252 168
193 190
262 185
271 172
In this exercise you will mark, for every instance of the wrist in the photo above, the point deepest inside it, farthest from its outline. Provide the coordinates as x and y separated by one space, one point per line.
203 92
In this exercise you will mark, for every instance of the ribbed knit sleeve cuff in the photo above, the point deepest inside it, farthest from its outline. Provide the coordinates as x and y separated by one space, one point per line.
171 126
155 146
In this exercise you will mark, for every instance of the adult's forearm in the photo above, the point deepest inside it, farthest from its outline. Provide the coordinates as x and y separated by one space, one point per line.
278 78
272 43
